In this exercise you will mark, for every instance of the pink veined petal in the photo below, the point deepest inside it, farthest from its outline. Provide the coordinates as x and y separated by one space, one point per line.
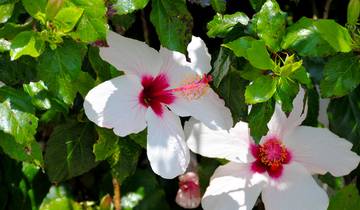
175 66
321 151
233 146
115 104
131 56
166 148
208 108
233 187
295 190
279 124
199 56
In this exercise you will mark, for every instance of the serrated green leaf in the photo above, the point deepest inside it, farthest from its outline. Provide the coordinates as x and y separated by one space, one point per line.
6 11
106 145
221 25
345 199
341 75
353 12
253 50
66 19
218 5
270 24
69 151
64 62
173 23
92 25
285 93
26 43
260 90
259 116
232 90
128 6
305 39
336 35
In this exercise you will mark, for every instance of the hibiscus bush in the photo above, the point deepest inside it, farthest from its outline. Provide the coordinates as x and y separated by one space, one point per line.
136 104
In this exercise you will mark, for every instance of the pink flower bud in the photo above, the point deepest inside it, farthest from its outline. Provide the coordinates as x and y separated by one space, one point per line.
188 195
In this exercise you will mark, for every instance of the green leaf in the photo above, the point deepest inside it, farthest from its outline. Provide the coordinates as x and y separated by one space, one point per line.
302 76
52 8
123 22
4 45
353 12
64 62
285 93
101 68
26 43
345 121
259 116
128 6
58 198
253 50
34 8
257 4
84 83
124 162
345 199
232 90
173 23
270 24
10 30
336 35
93 24
304 37
221 66
106 145
261 90
69 151
218 5
341 75
66 18
6 11
18 71
38 93
221 25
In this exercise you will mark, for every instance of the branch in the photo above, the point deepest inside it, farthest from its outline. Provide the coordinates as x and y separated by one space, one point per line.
117 196
145 28
327 9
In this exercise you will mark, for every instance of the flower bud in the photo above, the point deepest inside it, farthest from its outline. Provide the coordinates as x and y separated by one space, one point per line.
188 195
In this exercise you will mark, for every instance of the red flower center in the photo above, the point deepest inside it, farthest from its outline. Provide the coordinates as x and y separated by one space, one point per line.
270 157
156 91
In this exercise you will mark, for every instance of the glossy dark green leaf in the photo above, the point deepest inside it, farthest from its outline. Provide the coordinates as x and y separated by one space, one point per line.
69 151
10 30
270 24
26 43
106 145
64 62
35 8
260 90
306 40
173 23
128 6
259 116
302 76
341 75
285 93
345 199
257 4
218 5
232 90
221 25
6 11
221 66
38 93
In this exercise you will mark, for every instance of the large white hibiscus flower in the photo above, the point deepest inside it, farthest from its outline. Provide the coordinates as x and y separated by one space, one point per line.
280 167
156 87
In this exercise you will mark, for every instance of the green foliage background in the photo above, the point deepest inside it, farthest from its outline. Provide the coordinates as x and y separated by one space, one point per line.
52 157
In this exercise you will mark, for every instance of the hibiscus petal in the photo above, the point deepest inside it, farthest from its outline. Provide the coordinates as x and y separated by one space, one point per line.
131 56
115 104
321 151
279 124
295 190
200 58
166 148
233 146
233 187
209 109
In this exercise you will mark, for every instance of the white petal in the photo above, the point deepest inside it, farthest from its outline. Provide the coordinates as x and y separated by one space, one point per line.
233 146
2 84
280 125
175 66
130 55
296 190
209 109
233 187
200 58
321 151
166 148
115 104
